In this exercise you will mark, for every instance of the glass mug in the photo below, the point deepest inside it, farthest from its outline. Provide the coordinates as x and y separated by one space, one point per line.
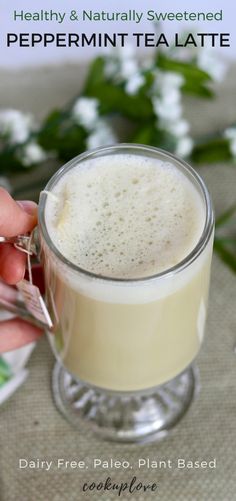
124 366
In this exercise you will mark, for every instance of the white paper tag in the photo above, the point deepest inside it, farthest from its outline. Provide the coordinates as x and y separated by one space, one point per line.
34 302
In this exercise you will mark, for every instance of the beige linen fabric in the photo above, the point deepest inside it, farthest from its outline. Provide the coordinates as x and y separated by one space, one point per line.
30 425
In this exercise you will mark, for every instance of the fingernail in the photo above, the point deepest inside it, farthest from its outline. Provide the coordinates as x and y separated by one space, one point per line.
28 206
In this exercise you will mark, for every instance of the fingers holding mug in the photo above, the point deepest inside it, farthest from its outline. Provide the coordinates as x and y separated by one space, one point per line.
15 218
12 264
16 333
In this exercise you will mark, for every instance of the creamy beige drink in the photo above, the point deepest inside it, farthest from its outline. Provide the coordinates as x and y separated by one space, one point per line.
124 218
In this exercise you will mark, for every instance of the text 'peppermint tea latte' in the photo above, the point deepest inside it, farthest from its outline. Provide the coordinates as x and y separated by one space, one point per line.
119 220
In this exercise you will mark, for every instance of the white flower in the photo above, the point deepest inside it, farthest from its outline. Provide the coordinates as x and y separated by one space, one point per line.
16 125
134 83
179 128
233 148
166 96
111 68
171 96
166 81
85 112
166 100
126 52
122 64
102 135
128 68
166 112
32 154
149 61
208 61
172 79
230 134
184 146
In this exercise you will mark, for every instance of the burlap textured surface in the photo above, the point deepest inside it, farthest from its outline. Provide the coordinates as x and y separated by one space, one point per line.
30 425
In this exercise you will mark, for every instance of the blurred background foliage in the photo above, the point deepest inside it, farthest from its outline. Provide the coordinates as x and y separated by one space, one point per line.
145 98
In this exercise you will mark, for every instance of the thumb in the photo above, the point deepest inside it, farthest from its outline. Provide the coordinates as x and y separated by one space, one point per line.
16 218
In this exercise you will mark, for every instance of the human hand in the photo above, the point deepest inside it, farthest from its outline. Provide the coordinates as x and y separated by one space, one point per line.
16 218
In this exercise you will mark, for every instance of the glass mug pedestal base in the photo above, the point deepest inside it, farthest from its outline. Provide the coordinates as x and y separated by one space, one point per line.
137 417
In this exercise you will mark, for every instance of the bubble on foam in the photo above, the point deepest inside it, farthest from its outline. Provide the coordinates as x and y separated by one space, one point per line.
125 216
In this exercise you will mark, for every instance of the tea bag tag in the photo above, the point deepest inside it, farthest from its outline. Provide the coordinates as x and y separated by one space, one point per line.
34 302
31 293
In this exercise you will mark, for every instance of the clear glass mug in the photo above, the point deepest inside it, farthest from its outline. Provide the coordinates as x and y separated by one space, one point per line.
124 348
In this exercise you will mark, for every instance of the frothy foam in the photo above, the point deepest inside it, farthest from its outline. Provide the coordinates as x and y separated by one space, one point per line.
125 216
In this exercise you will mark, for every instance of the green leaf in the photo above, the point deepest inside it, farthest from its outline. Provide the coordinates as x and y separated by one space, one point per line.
227 256
114 99
224 218
60 134
151 135
196 80
191 87
95 75
149 79
9 161
144 135
72 142
49 135
212 151
189 70
227 240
